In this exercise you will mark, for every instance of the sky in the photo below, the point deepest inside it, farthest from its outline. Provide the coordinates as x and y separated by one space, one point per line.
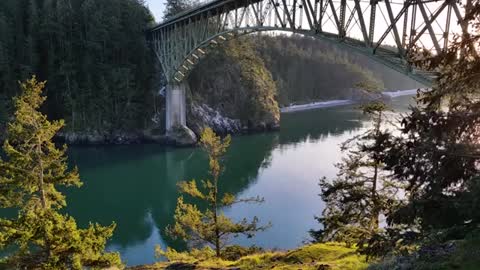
156 6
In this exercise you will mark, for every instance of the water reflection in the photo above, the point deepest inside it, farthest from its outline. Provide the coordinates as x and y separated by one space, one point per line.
314 125
135 186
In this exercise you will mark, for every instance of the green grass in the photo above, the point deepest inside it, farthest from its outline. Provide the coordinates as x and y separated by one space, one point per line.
331 256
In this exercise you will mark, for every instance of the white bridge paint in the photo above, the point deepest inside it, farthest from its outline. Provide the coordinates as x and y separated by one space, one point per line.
176 105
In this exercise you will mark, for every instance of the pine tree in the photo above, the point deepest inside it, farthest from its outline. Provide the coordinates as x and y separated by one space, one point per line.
174 7
211 226
40 236
438 151
362 192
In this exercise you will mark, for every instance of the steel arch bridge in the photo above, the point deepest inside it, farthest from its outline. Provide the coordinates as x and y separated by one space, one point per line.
363 26
385 30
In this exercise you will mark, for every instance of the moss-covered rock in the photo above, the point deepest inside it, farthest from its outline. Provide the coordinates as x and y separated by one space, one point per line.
331 256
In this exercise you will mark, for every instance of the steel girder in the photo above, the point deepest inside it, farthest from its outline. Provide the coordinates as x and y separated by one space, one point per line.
384 30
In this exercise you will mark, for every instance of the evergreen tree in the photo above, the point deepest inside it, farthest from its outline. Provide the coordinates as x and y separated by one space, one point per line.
210 226
436 155
79 46
438 152
40 236
174 7
363 191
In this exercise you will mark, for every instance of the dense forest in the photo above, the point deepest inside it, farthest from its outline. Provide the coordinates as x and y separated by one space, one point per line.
305 71
93 53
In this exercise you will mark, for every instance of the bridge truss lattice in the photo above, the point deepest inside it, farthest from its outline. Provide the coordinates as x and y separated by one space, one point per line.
384 30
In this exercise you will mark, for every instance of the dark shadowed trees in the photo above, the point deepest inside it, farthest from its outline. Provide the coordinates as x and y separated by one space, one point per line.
93 53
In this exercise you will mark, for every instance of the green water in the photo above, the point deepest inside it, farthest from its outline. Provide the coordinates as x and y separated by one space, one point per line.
135 186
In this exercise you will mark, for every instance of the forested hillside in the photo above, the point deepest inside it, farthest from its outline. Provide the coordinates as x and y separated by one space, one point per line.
235 81
291 69
304 71
103 77
93 53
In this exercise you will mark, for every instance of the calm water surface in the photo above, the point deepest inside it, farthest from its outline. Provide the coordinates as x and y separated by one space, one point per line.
135 186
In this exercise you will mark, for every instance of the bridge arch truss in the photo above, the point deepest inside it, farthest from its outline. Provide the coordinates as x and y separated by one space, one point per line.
384 30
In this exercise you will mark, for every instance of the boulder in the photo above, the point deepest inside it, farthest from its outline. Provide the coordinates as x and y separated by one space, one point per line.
181 135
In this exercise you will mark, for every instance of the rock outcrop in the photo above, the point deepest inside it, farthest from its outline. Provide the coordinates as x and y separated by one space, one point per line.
202 116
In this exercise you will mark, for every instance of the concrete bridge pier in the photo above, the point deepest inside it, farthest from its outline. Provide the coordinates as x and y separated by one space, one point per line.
176 105
176 114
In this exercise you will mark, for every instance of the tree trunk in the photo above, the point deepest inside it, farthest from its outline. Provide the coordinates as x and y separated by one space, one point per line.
374 222
43 199
376 212
41 189
215 219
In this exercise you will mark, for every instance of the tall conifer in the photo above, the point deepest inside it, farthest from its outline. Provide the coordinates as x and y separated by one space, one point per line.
362 191
39 236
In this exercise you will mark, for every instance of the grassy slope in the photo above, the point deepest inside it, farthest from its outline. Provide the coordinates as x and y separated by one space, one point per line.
332 256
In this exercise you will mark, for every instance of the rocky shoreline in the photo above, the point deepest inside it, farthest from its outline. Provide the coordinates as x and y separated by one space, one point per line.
200 116
95 137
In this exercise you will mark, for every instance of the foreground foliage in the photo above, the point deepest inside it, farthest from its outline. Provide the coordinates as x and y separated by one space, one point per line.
39 236
459 254
331 256
362 191
210 226
434 157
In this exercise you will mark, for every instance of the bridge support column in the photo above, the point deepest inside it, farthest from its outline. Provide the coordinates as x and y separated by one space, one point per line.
176 115
176 105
